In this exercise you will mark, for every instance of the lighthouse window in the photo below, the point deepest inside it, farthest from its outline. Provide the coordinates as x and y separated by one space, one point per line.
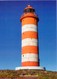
29 10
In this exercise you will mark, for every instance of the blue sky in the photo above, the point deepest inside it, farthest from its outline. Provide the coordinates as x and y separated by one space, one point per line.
10 33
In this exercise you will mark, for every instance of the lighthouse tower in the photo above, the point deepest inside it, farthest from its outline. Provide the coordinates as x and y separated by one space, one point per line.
30 47
30 43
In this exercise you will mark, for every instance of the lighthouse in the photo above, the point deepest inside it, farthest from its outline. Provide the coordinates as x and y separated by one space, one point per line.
30 40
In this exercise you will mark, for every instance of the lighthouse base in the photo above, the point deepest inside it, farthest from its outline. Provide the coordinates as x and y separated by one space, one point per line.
30 67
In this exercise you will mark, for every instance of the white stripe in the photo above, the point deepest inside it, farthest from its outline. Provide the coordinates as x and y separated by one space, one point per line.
29 27
29 57
29 42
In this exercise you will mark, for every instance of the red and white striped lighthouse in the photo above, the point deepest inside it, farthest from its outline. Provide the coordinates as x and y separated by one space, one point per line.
30 45
30 51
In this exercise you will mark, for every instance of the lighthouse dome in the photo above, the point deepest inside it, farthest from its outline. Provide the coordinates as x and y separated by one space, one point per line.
29 9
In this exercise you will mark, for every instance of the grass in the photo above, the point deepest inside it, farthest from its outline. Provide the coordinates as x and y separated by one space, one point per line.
40 74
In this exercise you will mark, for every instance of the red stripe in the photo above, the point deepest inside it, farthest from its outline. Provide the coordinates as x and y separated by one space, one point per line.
29 34
30 49
30 64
